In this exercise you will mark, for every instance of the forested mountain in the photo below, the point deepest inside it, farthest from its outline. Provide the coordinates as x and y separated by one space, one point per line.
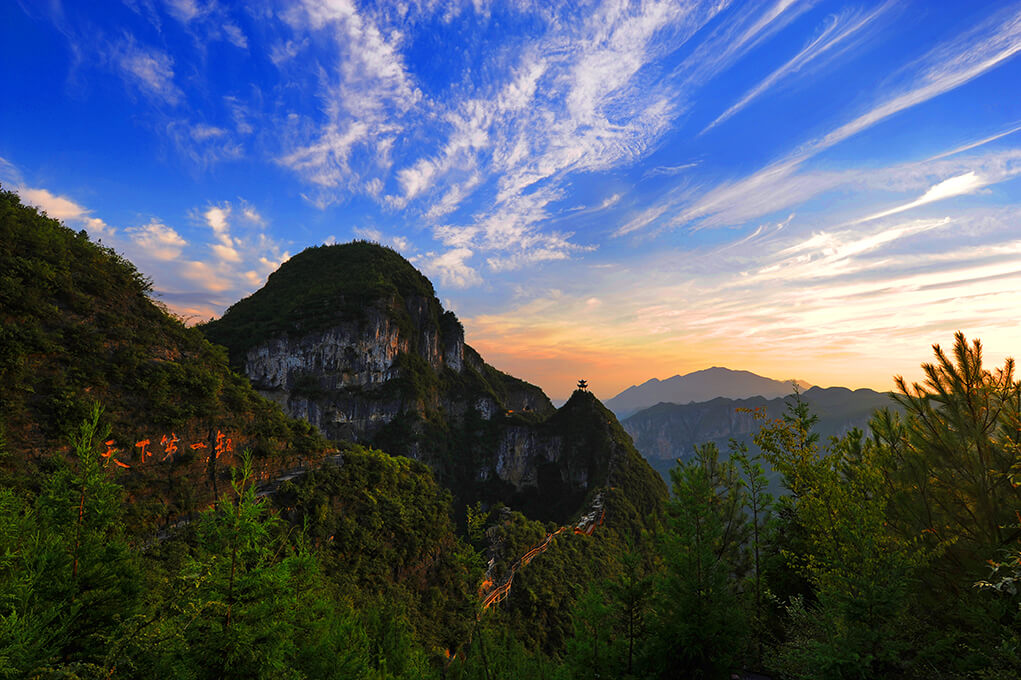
352 338
159 518
79 328
699 386
666 432
280 554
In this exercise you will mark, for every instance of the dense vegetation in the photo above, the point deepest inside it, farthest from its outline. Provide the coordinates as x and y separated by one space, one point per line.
319 287
240 592
890 554
78 327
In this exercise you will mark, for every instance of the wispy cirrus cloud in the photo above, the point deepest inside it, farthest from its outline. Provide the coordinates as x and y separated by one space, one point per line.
835 294
945 68
668 169
149 69
836 35
749 27
980 142
578 101
959 185
365 91
781 186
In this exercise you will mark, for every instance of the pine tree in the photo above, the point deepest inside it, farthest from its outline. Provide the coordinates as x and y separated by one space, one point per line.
69 579
700 627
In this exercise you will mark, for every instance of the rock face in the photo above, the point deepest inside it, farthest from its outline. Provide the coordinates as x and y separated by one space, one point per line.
393 371
332 377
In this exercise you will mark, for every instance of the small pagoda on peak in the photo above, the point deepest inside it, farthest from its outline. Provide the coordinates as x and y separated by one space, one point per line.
583 385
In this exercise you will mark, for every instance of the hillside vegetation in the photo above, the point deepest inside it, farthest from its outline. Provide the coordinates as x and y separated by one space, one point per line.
895 554
78 327
318 288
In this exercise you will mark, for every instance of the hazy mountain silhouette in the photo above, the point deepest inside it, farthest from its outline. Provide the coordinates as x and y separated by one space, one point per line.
666 432
701 385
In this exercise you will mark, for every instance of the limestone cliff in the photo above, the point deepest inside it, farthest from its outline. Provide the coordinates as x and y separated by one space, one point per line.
352 339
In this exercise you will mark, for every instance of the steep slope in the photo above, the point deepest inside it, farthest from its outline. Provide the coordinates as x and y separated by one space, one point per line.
566 457
698 386
352 338
77 327
666 432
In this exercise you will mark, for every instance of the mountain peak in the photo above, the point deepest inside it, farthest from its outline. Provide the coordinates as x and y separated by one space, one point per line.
701 385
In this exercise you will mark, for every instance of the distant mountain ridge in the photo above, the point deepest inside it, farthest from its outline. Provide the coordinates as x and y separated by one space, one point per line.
698 386
666 432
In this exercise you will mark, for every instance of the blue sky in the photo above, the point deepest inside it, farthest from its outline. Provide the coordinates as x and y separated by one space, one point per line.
606 189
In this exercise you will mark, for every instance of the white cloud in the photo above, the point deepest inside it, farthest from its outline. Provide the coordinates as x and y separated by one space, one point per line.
642 219
235 36
216 217
838 253
369 234
835 294
202 143
57 207
150 69
8 172
283 52
249 212
398 243
416 178
157 240
202 132
973 145
452 268
668 169
184 10
224 269
944 68
208 277
780 185
63 208
733 39
363 93
578 99
960 185
835 35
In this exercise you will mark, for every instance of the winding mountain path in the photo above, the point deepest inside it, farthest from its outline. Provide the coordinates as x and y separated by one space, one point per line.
491 593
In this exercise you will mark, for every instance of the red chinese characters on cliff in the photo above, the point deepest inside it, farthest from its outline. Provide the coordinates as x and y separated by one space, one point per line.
169 443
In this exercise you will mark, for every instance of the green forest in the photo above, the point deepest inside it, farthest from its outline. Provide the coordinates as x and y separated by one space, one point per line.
891 553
